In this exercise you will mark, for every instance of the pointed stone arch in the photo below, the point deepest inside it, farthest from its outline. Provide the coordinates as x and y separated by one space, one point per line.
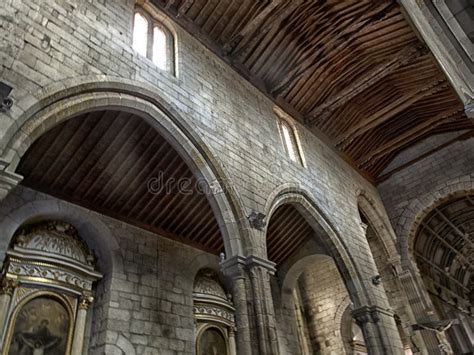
63 100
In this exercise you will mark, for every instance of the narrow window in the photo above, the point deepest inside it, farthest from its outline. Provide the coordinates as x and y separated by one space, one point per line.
289 137
140 34
160 48
152 39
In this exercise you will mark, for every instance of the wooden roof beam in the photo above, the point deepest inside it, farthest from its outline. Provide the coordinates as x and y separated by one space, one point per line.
266 24
391 110
183 7
409 136
405 57
252 26
447 275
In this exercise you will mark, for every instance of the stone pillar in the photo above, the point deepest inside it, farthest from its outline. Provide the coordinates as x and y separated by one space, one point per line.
80 326
6 292
380 330
8 180
232 344
422 309
234 269
260 271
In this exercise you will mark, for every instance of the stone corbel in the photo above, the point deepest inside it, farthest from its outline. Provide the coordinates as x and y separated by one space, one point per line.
8 179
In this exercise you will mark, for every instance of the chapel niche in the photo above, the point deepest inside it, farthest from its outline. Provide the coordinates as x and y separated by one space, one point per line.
214 316
46 289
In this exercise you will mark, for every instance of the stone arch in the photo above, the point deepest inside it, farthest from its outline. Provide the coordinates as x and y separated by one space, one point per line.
382 230
64 100
326 233
411 217
95 233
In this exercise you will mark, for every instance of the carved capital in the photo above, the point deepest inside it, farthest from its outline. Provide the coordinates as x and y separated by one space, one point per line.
7 286
253 262
85 301
372 314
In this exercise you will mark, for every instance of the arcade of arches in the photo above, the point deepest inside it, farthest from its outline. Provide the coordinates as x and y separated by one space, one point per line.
151 203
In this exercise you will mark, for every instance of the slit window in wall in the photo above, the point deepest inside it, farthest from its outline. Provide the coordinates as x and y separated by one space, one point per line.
153 40
289 137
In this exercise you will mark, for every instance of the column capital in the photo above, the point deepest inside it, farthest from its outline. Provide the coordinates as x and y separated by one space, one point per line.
254 261
234 266
7 286
85 300
372 314
237 265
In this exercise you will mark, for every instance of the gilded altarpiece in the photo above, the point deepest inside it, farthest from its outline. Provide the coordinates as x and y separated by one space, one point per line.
214 315
47 283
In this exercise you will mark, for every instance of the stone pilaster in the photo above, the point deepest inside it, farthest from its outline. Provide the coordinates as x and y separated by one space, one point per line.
234 269
260 271
380 330
7 287
422 308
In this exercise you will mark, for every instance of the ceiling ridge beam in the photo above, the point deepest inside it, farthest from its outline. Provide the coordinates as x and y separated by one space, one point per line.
409 135
391 110
405 57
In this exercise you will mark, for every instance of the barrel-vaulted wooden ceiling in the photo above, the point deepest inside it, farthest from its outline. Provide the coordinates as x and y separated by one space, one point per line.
444 246
354 71
117 164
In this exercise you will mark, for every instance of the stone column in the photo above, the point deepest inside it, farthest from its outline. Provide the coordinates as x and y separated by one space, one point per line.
422 309
8 180
6 292
260 271
234 269
380 330
78 339
232 344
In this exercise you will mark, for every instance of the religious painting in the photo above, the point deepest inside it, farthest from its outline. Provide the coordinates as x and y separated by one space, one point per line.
41 328
212 342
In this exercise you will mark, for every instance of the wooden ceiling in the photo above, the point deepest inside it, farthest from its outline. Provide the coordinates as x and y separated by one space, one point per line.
105 161
444 246
353 71
287 231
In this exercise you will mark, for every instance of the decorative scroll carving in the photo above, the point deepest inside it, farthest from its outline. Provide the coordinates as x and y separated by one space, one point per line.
212 310
207 282
210 300
54 237
49 272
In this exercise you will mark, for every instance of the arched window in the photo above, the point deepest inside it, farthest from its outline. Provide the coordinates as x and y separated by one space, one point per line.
152 39
289 137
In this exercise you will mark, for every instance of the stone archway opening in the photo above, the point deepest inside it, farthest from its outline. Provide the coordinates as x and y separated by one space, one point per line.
116 163
308 288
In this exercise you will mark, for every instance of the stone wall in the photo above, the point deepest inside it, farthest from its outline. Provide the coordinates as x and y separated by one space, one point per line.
144 303
415 189
61 43
324 298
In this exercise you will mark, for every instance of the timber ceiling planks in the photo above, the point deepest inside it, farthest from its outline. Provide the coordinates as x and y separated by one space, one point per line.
287 231
352 70
105 161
